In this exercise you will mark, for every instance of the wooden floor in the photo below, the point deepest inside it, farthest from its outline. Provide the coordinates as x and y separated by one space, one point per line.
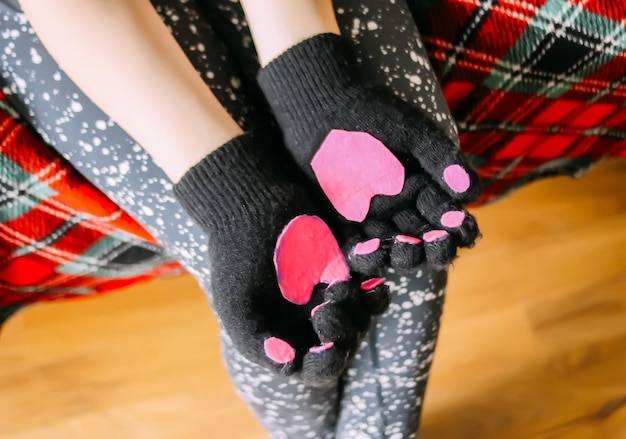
533 343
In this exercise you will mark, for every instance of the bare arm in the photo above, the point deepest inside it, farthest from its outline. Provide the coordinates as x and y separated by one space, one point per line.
276 25
124 58
141 78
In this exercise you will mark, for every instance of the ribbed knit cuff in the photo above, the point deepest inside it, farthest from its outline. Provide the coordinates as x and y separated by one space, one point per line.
307 80
233 183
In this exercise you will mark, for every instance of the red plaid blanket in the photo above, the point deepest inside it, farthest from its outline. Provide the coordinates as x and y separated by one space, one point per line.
59 236
537 87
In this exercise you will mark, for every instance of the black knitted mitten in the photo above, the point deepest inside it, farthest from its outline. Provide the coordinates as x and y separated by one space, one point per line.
380 163
281 286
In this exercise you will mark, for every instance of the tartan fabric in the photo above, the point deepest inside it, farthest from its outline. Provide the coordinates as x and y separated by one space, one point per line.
60 237
536 87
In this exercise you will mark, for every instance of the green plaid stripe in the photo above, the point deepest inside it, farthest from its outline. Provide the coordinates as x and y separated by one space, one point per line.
100 258
19 190
557 21
483 9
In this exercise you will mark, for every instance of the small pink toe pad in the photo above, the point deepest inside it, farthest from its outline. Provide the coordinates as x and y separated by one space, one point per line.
408 239
279 351
457 178
322 348
453 219
366 247
370 284
435 235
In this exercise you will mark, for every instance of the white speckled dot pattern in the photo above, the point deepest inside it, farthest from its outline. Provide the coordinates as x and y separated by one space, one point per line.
384 387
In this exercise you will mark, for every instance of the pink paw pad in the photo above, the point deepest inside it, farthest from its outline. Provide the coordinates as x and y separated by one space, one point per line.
370 284
457 178
453 219
322 348
316 309
366 247
307 254
408 239
352 167
279 351
435 235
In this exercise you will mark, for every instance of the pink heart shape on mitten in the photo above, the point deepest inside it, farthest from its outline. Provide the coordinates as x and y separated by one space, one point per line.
307 254
352 167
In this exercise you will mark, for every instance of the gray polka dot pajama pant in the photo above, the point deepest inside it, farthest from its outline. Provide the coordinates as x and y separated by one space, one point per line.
380 395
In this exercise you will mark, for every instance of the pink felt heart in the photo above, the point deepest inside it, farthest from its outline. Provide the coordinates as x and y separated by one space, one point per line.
307 254
352 167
